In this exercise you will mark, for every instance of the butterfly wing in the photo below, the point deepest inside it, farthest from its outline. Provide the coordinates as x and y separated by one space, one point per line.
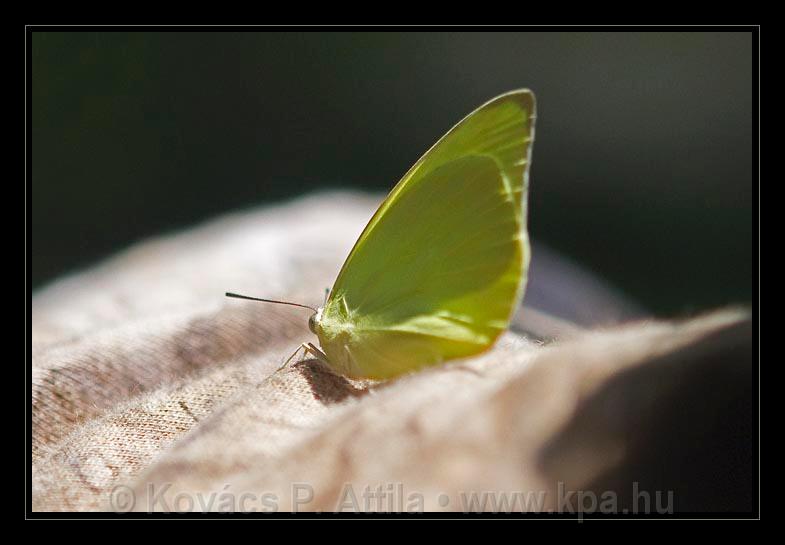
441 266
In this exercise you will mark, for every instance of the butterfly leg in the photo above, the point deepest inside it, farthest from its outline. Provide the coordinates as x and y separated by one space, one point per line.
307 348
303 346
313 350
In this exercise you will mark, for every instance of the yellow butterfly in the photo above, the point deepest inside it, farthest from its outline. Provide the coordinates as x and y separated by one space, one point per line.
441 267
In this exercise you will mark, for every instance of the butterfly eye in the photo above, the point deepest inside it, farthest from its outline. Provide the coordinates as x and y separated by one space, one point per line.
312 323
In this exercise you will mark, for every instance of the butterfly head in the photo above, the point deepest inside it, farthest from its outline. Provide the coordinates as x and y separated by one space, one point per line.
314 322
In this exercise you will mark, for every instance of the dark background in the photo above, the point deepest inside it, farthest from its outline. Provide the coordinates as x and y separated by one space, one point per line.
641 168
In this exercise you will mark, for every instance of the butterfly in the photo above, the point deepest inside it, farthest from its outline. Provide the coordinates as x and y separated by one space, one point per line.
441 266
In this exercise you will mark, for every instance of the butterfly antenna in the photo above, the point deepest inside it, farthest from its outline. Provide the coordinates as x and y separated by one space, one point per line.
238 296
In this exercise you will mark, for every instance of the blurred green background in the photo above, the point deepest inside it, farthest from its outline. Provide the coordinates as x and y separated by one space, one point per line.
641 168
